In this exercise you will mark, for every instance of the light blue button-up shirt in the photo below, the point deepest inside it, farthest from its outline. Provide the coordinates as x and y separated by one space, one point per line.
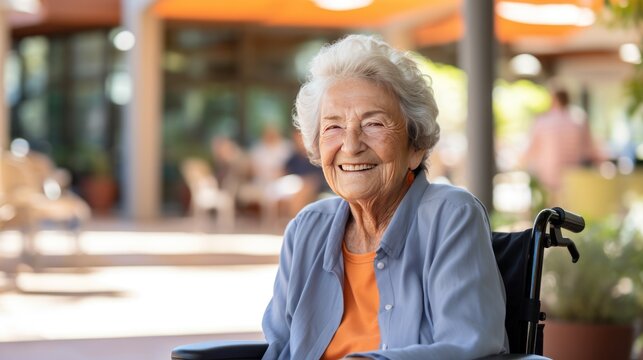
441 294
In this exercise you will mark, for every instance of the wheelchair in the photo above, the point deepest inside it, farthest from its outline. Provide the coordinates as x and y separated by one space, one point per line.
519 256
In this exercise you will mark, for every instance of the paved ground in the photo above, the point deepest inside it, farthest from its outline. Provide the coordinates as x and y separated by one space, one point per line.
131 348
135 292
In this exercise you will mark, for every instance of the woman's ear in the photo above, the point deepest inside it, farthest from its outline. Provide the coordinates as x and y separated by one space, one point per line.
415 158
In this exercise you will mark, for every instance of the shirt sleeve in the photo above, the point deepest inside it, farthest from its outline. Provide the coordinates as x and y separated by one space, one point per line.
276 320
464 289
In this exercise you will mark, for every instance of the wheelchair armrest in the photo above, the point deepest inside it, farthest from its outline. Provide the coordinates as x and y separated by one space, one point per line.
254 350
514 357
221 350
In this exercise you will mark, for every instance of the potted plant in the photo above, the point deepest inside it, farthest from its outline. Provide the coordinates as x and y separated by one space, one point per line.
592 305
97 185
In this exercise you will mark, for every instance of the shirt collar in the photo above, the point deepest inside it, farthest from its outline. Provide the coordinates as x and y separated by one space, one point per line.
394 236
333 250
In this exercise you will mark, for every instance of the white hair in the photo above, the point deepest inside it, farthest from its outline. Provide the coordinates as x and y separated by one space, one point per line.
367 57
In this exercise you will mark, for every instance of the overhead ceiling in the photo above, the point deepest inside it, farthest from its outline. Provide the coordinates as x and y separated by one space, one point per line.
424 21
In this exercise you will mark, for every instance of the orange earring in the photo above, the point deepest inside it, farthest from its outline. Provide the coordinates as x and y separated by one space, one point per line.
410 176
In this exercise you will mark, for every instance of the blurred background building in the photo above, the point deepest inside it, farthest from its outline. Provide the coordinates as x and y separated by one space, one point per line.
125 90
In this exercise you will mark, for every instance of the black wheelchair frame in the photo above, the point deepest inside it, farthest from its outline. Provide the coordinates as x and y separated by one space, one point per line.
519 256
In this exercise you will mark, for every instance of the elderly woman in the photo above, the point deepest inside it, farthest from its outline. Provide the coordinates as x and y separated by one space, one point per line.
395 267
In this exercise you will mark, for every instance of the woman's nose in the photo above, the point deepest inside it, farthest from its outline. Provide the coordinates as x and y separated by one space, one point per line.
353 143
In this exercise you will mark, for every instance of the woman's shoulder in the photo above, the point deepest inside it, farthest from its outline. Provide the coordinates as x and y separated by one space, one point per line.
443 205
447 191
312 226
449 195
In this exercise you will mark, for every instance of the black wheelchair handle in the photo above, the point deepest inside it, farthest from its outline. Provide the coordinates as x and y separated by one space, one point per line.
573 251
571 247
568 220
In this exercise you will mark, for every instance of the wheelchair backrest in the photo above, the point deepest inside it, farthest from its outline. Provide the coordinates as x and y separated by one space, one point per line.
512 256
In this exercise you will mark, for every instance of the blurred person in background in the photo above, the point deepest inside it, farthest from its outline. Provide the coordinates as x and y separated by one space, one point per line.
269 187
560 139
269 156
395 267
232 165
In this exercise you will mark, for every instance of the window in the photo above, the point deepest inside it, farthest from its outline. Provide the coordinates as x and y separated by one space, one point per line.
227 81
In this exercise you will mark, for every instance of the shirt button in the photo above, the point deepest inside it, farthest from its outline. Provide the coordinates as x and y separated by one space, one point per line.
388 307
380 265
384 346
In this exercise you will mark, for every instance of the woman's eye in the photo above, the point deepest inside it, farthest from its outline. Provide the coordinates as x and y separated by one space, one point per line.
374 124
331 127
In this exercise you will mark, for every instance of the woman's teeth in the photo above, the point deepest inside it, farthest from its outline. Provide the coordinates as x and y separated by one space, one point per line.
356 167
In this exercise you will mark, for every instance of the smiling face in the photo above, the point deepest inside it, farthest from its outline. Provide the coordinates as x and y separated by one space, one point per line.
363 142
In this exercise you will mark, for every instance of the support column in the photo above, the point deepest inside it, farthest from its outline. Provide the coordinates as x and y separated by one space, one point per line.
478 51
141 153
5 47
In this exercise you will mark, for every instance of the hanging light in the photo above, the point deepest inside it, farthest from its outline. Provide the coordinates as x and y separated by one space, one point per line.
546 14
124 40
525 64
342 5
19 147
630 53
23 6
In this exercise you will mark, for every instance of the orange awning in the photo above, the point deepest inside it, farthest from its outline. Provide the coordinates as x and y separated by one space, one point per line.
299 13
426 21
66 15
433 21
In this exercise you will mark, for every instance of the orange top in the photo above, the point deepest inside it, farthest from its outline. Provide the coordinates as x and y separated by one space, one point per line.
359 329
